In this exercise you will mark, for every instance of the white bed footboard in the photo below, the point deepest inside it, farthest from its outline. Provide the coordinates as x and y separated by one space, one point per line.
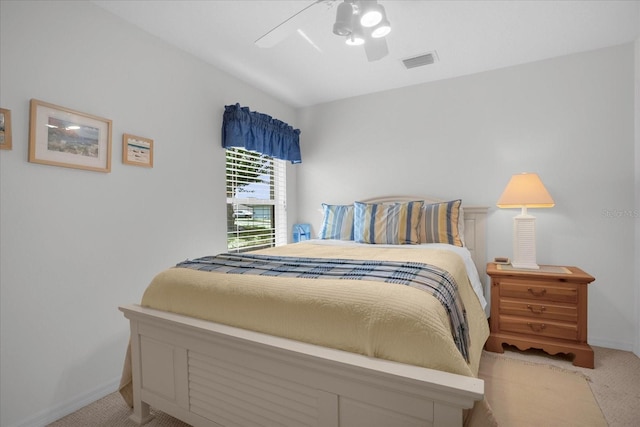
208 374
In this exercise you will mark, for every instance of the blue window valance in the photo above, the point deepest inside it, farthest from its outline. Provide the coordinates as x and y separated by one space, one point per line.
259 132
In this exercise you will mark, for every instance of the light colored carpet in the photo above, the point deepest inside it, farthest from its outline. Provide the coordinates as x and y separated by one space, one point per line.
111 411
614 383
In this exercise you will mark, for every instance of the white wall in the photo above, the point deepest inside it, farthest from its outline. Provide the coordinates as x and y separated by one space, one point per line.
569 119
76 244
637 211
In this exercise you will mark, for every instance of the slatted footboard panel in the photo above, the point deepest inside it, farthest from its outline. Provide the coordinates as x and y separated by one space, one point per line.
235 395
208 374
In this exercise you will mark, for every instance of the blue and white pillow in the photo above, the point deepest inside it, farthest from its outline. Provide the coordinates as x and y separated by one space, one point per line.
441 223
337 222
380 223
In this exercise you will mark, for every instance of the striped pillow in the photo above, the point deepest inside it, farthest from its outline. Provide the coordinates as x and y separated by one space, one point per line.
337 222
439 223
395 224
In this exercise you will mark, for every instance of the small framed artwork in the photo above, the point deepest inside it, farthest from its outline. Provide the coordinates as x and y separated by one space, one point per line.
5 129
137 150
63 137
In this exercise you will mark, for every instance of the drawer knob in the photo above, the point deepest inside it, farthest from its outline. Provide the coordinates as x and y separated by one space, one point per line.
537 294
538 311
537 328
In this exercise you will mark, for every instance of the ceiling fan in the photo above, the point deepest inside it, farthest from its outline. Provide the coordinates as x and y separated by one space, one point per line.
360 22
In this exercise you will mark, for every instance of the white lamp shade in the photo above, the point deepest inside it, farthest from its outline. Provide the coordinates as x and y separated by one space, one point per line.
525 190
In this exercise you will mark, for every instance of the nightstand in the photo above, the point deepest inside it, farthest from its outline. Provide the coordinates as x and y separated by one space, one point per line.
545 309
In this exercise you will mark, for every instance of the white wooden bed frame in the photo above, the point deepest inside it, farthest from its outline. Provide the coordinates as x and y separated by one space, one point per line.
209 374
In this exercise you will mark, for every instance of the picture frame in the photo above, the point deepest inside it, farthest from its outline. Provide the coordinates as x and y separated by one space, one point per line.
5 129
64 137
137 151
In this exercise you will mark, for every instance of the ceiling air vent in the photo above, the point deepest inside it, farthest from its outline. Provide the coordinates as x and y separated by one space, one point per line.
420 60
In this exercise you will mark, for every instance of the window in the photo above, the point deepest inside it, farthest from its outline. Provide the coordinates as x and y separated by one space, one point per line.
256 200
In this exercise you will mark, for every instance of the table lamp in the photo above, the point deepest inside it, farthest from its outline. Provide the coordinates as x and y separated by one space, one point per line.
524 191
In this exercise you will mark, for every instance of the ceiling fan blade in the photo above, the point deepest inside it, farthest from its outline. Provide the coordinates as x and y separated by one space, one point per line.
291 24
376 48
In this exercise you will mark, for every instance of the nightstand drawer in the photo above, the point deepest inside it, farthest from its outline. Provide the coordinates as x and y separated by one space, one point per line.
519 325
543 311
539 290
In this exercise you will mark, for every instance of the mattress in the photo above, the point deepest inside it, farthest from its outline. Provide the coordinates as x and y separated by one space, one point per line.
383 320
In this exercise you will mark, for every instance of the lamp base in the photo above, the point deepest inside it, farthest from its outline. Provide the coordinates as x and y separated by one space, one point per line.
525 266
524 242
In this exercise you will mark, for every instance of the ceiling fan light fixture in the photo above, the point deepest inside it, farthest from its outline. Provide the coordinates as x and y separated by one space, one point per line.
344 16
381 30
341 30
355 39
371 13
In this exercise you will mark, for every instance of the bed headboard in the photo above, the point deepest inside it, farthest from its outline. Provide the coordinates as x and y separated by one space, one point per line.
475 224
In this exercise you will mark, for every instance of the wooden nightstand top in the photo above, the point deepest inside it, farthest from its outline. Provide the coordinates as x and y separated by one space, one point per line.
554 272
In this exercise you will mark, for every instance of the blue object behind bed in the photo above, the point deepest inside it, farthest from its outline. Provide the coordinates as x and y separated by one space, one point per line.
301 232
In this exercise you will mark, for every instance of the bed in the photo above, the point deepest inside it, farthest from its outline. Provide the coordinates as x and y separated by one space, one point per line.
250 349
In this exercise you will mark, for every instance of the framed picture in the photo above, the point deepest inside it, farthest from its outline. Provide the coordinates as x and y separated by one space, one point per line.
62 137
137 150
5 129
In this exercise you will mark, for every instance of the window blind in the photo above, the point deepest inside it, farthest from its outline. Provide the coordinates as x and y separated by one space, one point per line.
256 200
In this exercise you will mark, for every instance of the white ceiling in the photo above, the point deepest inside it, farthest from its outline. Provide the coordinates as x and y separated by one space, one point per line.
468 36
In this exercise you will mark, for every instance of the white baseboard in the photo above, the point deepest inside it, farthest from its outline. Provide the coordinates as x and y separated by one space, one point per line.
611 344
49 415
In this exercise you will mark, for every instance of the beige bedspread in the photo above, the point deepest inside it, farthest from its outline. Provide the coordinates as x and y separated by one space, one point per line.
383 320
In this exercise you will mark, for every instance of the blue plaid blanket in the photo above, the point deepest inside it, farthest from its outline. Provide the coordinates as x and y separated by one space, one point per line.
428 278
